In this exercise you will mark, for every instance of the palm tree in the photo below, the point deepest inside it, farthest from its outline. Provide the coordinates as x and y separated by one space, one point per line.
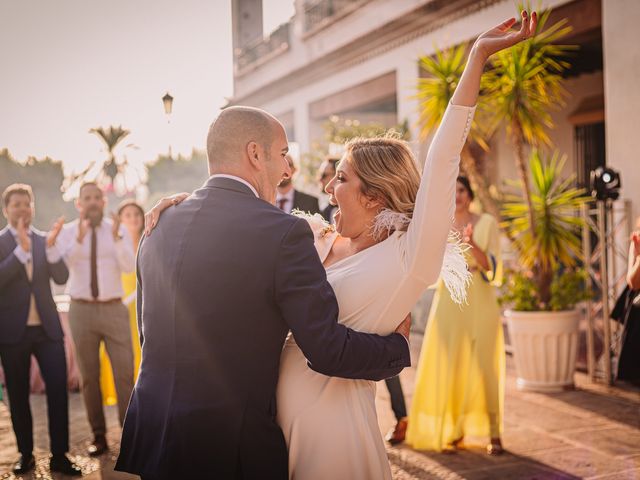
520 89
434 92
111 137
555 240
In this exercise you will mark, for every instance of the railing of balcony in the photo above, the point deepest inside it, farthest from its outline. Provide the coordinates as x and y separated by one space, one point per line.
277 41
318 11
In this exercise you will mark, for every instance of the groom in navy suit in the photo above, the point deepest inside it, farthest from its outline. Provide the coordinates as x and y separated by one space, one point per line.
29 325
222 280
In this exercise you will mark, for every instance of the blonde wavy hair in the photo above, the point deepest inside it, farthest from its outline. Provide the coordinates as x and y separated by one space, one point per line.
388 171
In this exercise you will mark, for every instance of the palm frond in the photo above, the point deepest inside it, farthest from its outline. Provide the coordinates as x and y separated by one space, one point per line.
556 203
110 136
524 83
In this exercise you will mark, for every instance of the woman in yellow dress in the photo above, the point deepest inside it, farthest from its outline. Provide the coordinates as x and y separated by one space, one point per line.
131 215
459 390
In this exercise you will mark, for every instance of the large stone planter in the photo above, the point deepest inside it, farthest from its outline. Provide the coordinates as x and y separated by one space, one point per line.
545 346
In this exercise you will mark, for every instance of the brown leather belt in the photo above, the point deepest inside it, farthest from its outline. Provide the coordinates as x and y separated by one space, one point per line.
97 302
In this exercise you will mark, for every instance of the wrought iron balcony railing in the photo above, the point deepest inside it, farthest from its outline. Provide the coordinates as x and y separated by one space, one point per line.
262 48
317 11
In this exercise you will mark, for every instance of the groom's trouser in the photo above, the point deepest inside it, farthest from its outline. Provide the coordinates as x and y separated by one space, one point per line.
108 322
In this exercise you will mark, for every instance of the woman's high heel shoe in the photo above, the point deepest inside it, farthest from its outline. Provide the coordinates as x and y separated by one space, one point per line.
454 446
495 447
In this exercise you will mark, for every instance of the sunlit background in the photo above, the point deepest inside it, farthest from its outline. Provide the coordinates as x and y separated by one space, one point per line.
71 65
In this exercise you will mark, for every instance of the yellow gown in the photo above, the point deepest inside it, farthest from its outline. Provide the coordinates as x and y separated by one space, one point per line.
107 385
459 388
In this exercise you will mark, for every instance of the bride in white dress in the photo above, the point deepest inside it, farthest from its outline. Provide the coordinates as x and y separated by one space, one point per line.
388 246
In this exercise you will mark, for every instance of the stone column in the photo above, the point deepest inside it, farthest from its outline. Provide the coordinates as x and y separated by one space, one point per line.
620 40
246 17
301 125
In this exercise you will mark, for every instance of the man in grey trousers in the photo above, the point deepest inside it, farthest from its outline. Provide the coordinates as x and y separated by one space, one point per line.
98 251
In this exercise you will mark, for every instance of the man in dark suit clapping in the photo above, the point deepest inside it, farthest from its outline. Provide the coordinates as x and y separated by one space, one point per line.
30 326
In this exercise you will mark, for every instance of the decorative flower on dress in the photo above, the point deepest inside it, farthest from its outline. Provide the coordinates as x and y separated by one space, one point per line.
318 224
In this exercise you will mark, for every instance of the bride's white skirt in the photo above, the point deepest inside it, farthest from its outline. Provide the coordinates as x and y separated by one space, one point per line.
329 423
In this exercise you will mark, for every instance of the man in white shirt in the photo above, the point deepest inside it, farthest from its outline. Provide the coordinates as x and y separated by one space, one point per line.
288 198
98 251
30 325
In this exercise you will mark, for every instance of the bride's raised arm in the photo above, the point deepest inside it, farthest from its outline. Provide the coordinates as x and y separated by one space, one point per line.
435 203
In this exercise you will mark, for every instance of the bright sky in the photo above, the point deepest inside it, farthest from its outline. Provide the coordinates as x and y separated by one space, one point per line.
69 65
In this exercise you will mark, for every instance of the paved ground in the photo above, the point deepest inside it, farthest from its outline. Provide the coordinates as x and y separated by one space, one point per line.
592 432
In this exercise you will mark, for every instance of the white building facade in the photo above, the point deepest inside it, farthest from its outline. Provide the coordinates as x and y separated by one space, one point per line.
360 59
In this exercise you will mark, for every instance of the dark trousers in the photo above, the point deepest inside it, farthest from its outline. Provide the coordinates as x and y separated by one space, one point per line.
16 361
397 397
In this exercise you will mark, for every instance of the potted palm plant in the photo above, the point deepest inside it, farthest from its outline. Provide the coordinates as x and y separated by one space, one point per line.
542 294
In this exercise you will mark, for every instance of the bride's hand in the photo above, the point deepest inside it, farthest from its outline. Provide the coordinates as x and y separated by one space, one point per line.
404 327
501 37
152 216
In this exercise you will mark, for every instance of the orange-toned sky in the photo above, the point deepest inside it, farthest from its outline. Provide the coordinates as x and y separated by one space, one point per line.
69 65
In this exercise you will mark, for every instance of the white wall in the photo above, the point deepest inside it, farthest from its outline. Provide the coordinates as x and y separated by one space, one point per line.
402 60
621 43
342 32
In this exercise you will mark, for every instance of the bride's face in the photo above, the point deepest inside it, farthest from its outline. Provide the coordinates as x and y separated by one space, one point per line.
355 213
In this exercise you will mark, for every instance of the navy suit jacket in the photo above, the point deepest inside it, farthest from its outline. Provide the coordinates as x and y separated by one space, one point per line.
221 281
16 289
305 202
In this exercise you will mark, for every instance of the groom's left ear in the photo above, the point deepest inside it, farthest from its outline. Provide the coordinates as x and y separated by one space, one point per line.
255 153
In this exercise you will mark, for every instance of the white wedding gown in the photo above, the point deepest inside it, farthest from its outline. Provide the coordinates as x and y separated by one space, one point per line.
330 424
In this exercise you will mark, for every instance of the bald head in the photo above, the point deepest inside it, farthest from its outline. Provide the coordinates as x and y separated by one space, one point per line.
234 129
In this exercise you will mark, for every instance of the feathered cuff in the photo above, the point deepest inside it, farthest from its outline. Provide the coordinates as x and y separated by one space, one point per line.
455 272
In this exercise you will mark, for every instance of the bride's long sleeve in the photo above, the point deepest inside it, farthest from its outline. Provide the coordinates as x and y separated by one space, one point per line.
426 237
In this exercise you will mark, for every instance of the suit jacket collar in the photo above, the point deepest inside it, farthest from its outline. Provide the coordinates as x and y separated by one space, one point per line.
229 184
6 237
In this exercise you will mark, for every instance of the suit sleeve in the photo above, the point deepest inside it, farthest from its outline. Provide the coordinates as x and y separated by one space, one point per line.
309 307
59 272
57 268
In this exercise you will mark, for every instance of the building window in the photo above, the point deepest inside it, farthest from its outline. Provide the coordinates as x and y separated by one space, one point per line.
590 150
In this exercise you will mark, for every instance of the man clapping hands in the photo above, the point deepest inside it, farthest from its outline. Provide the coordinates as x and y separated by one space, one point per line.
31 326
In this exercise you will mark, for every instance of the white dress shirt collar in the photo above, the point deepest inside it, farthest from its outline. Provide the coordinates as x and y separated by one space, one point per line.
14 232
237 179
286 200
